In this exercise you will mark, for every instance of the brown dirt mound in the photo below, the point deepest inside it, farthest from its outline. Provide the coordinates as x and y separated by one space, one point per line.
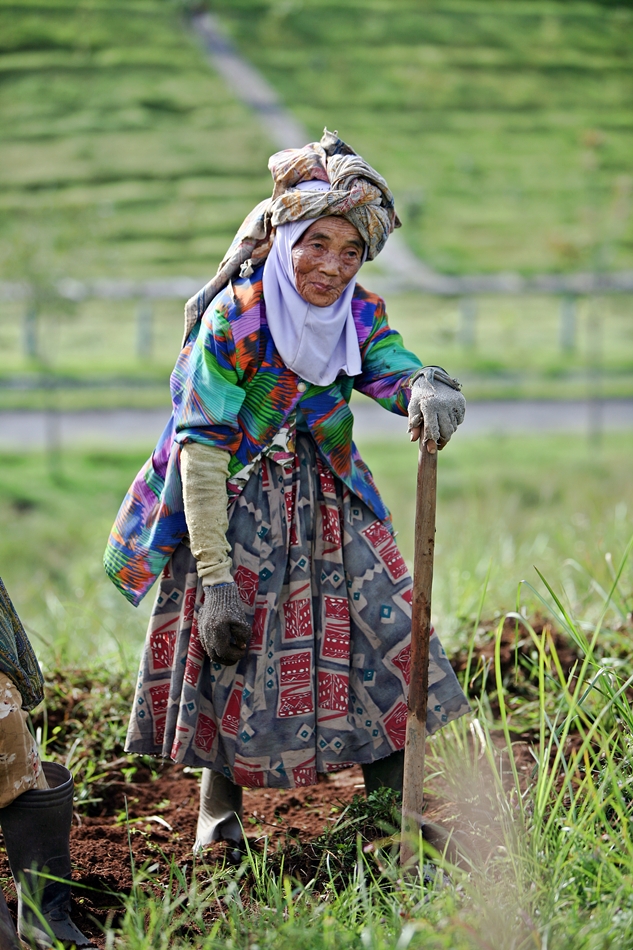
516 646
160 826
150 822
146 818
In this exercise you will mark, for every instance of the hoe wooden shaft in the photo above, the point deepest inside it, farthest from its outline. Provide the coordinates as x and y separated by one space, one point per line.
413 790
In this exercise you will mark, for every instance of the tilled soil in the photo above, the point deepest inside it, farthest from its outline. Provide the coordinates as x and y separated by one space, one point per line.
160 825
147 823
150 822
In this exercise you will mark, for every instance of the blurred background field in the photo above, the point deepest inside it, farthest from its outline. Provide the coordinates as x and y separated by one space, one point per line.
504 129
503 126
106 353
122 153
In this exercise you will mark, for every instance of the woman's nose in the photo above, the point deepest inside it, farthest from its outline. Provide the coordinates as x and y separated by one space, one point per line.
330 265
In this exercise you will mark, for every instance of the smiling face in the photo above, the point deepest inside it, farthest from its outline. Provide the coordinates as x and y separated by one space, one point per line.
325 258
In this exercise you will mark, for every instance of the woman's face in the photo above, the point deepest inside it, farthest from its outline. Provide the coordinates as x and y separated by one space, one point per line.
325 258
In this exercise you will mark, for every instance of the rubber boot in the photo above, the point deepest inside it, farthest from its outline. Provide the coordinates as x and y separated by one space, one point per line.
8 936
36 828
220 811
384 773
389 773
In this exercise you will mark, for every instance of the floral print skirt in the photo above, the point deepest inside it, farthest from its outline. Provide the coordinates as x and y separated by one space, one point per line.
324 683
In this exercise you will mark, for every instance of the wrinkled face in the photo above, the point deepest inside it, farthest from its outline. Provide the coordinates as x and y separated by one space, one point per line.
325 258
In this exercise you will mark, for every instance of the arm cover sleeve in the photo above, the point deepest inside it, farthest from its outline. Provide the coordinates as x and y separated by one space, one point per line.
204 470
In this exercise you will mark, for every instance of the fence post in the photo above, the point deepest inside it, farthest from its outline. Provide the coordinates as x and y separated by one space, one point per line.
144 330
52 429
568 323
595 395
468 321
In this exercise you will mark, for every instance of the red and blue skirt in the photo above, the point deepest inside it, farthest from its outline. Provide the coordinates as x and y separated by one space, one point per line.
324 683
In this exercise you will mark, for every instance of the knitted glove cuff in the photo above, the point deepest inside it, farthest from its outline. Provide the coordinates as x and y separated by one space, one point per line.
225 601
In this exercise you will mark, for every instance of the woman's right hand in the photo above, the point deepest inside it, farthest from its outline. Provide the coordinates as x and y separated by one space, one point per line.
436 406
223 628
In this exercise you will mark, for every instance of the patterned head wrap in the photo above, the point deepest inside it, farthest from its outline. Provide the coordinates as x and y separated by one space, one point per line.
357 192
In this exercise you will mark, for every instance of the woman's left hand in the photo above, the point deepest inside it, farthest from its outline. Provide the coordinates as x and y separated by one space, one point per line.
437 405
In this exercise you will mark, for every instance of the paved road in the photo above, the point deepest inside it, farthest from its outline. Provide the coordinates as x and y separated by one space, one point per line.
34 430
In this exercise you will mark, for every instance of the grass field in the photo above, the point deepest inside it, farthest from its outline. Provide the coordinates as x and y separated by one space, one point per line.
122 153
505 506
503 126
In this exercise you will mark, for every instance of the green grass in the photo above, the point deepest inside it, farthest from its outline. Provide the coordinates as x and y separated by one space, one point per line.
515 349
89 356
122 153
503 126
57 514
506 505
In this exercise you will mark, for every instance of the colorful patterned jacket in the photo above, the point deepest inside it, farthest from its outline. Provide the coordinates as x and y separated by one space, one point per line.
231 389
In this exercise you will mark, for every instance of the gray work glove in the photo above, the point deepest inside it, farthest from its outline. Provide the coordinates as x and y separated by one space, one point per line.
223 628
436 404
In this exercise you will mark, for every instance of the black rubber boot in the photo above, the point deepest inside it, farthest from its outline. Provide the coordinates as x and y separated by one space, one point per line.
8 936
36 828
389 773
384 773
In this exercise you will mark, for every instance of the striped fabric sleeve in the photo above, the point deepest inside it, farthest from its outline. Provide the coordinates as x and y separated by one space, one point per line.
387 366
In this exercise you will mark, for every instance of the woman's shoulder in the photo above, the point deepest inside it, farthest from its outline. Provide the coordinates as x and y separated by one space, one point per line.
369 312
240 297
368 301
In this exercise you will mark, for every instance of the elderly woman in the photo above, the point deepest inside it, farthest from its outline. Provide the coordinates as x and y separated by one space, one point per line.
278 647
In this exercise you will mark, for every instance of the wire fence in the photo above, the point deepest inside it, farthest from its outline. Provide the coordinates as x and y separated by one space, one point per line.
116 351
505 345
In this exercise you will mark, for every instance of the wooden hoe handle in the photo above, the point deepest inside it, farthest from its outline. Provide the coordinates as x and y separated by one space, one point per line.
413 790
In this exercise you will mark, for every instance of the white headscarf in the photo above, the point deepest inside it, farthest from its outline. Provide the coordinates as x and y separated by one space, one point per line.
317 343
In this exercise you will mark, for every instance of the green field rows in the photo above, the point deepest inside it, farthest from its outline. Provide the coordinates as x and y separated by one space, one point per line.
122 153
503 126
